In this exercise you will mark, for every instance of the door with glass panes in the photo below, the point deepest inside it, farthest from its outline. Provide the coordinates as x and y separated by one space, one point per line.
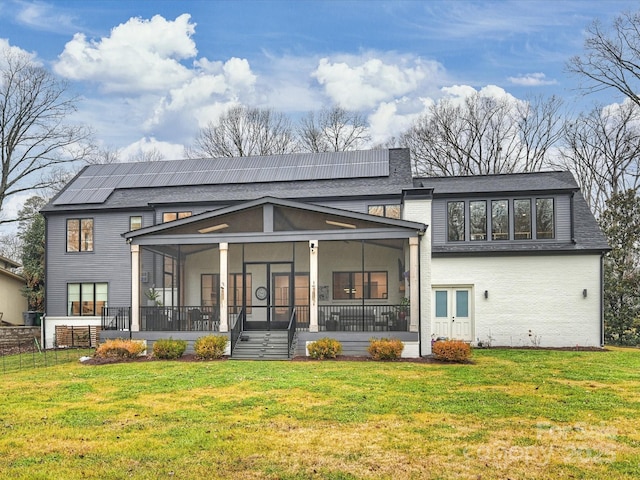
452 317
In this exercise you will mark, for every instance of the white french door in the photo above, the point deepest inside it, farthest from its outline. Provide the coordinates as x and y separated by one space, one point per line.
452 316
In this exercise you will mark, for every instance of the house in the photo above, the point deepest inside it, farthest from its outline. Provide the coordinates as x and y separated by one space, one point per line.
12 302
269 250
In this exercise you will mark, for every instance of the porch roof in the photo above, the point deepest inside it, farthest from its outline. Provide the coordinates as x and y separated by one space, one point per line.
209 227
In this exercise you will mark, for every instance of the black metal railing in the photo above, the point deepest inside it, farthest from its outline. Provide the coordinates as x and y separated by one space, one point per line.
363 318
302 318
236 329
116 318
198 318
291 331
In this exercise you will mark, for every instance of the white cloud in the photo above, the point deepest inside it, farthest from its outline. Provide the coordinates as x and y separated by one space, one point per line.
363 82
43 16
139 55
531 80
170 151
6 46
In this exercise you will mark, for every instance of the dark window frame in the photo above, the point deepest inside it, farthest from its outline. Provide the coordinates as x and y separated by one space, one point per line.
385 207
352 284
178 215
81 306
131 229
81 237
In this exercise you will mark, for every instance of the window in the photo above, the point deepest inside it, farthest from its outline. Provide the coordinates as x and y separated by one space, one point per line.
86 299
544 218
135 223
500 220
456 221
389 211
235 292
80 235
210 286
478 214
522 219
171 216
358 285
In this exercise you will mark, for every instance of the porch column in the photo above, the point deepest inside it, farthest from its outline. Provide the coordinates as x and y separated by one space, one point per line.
414 283
224 276
313 282
135 288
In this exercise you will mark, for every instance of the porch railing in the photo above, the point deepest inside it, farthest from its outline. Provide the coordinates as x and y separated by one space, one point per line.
197 318
236 329
363 318
116 318
291 331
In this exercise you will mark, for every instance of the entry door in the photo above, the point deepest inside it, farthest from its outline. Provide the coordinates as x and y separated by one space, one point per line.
452 313
271 296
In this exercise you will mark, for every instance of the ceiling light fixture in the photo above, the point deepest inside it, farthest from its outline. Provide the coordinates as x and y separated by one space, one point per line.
340 224
215 228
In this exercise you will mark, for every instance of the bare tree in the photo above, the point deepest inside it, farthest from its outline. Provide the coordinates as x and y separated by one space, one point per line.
602 149
244 131
332 130
103 156
484 135
151 155
11 247
33 132
611 58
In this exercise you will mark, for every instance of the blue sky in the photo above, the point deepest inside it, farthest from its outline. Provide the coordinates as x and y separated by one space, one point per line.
151 73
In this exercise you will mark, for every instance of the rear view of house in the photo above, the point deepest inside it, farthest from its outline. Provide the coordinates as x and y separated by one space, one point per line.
286 249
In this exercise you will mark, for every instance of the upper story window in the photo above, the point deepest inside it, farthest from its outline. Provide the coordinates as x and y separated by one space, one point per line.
508 219
171 216
389 211
80 235
455 227
135 223
544 218
478 220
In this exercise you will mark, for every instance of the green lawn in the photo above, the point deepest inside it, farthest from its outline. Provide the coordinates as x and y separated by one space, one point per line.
513 414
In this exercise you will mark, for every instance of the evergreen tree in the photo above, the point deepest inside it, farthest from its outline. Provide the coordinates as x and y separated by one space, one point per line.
621 224
31 233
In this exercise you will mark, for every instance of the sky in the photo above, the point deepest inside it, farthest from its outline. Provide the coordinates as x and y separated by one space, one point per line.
150 74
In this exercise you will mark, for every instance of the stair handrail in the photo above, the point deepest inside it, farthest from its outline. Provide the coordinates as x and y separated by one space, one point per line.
236 329
291 331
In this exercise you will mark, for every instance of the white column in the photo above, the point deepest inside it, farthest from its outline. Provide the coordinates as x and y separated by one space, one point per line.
414 283
135 288
224 277
313 283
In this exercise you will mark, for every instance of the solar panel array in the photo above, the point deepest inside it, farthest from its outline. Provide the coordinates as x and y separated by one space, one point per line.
96 183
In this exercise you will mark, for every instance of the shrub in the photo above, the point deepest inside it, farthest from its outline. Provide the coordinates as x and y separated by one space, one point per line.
119 348
210 347
452 351
324 348
169 349
385 348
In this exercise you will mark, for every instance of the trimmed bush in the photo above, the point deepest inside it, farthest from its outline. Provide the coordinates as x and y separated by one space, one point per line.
385 348
119 348
210 347
452 351
169 349
324 348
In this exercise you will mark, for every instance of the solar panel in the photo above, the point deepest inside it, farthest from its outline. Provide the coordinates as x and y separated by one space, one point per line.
96 183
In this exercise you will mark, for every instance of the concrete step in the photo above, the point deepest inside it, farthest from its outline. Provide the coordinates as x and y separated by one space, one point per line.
262 345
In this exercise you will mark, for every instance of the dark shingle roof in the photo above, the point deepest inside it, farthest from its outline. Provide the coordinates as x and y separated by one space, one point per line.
503 183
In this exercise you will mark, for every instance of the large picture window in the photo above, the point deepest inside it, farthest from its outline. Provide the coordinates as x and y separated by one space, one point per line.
359 285
500 220
455 227
544 218
478 224
522 219
80 235
86 299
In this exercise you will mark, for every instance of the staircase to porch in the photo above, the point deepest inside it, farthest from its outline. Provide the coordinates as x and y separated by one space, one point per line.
262 345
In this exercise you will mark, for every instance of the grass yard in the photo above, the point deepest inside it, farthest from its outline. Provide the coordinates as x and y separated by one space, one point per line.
513 414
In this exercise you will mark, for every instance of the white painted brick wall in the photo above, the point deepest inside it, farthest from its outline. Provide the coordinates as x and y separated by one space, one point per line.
538 293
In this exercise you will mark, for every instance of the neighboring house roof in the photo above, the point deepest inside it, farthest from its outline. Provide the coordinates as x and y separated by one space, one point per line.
8 264
307 175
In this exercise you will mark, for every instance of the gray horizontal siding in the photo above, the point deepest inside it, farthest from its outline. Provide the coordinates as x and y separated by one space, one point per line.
353 343
109 262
